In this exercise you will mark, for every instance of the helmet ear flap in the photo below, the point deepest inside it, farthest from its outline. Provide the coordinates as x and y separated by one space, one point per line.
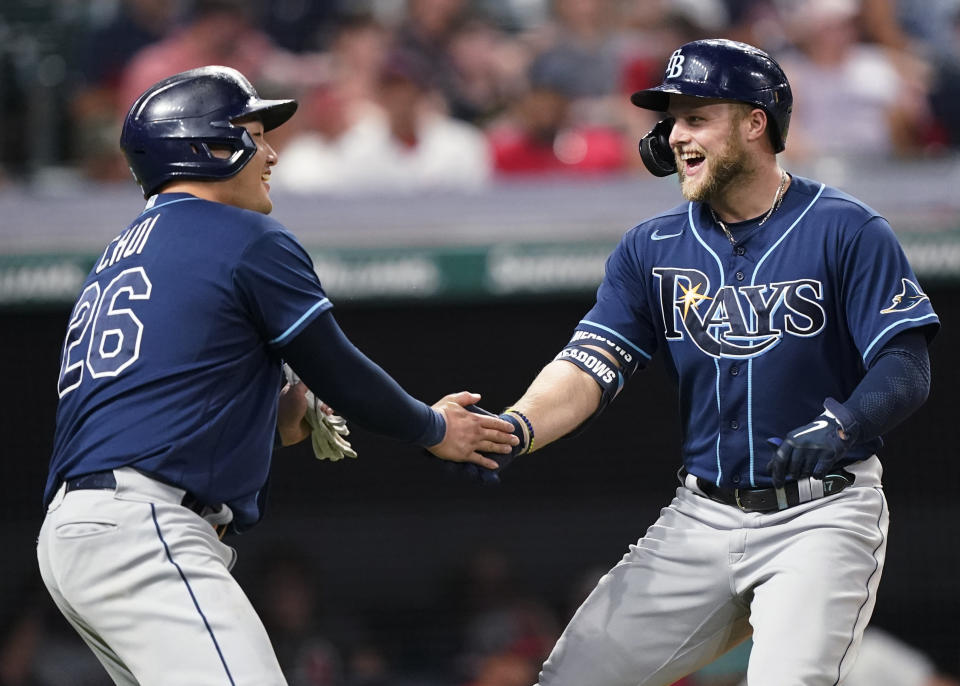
655 150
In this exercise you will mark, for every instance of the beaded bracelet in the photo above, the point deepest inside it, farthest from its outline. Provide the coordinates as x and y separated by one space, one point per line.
528 424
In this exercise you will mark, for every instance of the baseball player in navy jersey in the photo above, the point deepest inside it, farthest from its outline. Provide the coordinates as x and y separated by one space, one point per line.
169 384
796 332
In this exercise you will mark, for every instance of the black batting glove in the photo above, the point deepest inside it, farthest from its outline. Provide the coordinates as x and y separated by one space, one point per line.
489 477
813 449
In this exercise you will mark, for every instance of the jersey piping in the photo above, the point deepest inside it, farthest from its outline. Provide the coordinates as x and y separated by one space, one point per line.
716 363
295 326
618 335
753 282
897 323
151 206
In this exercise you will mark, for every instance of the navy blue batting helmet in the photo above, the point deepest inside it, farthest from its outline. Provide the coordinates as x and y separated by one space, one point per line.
717 68
168 131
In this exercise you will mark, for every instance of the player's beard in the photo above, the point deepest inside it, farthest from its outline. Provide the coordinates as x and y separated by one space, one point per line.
724 168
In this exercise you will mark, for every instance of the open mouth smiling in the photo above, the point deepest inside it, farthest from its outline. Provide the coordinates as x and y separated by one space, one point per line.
691 161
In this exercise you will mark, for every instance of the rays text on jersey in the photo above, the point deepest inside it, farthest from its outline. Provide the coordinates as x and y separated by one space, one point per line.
737 321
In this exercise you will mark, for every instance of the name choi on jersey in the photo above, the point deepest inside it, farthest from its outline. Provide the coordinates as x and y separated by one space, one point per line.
740 321
130 242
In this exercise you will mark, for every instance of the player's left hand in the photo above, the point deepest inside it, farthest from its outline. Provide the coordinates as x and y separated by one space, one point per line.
811 450
470 434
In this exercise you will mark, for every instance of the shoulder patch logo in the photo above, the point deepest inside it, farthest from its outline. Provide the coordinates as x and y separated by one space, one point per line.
909 297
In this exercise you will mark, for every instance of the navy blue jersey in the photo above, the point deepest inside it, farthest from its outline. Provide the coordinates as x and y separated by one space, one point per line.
759 333
169 362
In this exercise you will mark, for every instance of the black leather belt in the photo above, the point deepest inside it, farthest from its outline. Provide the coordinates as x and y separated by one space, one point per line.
773 499
106 481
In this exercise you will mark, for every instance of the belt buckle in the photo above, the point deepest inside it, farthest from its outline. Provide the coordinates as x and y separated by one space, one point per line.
736 499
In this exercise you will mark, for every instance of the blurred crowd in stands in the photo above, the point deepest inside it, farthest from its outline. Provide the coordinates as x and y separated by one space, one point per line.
486 626
407 95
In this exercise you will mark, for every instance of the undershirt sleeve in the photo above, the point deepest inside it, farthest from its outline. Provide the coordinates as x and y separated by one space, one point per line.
356 387
895 385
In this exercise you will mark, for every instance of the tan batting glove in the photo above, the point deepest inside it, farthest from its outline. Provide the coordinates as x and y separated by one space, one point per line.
328 431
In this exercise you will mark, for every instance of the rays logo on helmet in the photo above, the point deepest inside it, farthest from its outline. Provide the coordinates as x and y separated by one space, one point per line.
739 321
675 65
909 297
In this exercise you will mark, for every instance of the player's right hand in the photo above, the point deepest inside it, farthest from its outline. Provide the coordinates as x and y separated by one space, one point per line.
812 449
469 433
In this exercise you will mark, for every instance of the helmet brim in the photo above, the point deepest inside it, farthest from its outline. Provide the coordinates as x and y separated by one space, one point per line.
272 113
658 98
652 99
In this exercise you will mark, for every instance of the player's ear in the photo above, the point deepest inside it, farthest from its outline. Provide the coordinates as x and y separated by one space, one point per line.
754 124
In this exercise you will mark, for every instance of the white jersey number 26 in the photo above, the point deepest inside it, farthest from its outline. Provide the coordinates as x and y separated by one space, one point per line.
102 337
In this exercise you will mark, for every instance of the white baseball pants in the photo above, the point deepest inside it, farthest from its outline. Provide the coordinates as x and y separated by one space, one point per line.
147 585
803 581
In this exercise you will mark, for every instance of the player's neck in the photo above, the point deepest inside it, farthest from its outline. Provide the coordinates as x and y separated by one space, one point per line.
751 197
205 190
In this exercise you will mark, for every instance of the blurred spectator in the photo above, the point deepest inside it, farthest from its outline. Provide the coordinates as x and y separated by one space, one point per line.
945 99
299 25
934 27
356 57
507 633
316 642
38 647
490 66
505 669
100 57
342 99
756 22
111 39
425 33
538 135
852 99
881 24
585 51
408 144
883 660
286 599
582 49
216 32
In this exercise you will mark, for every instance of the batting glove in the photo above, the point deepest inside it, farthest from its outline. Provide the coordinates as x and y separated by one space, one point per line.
328 431
488 477
813 449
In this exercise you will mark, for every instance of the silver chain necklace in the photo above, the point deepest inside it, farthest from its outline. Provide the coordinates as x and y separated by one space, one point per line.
777 199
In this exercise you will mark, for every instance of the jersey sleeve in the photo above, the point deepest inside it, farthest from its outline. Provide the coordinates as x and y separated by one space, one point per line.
881 294
278 286
621 313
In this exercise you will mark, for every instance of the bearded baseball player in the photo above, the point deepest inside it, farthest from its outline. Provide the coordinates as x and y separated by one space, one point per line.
169 383
797 333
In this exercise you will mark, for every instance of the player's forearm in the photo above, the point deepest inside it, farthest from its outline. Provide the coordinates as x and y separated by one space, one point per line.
896 384
347 380
559 400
